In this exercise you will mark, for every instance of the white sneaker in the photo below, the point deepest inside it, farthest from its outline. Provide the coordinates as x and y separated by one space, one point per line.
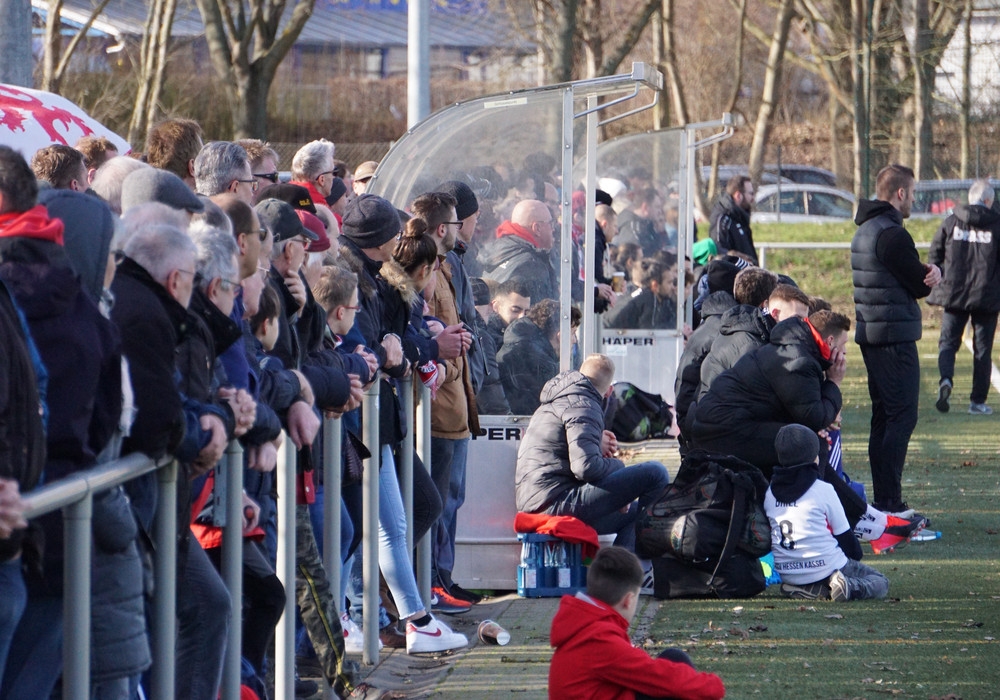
354 639
839 592
432 637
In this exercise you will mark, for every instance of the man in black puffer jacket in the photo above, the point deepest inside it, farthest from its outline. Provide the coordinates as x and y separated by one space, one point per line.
564 463
696 350
888 280
778 384
967 249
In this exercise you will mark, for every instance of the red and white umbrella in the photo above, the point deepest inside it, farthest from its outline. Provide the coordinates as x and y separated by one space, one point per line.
33 119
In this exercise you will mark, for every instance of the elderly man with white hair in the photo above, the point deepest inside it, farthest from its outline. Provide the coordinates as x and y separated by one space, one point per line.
223 166
153 288
312 168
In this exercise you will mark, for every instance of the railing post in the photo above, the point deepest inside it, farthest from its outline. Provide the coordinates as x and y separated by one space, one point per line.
232 565
76 599
332 477
370 484
762 257
284 639
406 457
423 437
165 594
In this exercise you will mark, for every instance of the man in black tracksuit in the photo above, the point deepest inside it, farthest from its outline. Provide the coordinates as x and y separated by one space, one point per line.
729 222
888 280
967 249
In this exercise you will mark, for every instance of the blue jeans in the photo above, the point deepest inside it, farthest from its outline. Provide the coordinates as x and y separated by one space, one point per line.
35 661
12 605
393 557
448 458
599 504
203 610
864 582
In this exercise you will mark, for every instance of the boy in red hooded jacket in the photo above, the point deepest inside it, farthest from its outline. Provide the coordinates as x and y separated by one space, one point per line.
594 658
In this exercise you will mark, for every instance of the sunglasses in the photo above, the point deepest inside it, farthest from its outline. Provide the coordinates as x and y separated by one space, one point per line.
273 177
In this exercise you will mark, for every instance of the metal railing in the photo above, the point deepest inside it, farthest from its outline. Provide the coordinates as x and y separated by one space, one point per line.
763 247
74 495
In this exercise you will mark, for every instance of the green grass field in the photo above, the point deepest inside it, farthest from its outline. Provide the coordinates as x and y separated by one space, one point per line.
938 634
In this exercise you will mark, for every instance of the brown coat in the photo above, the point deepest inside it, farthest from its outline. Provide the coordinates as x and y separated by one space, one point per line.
453 412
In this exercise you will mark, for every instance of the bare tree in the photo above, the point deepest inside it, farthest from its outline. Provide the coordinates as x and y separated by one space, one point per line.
965 115
56 58
737 73
246 49
152 66
769 96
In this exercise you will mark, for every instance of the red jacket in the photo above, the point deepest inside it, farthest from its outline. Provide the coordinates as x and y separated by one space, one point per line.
595 660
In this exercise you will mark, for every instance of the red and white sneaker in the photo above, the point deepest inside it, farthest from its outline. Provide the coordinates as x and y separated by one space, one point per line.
435 636
444 602
898 532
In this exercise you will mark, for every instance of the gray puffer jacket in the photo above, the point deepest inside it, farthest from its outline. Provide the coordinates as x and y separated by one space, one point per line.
561 448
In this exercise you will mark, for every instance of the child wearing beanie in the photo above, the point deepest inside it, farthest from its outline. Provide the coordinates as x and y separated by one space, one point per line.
814 549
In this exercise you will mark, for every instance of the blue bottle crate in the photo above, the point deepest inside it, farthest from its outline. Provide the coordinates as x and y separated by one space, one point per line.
549 567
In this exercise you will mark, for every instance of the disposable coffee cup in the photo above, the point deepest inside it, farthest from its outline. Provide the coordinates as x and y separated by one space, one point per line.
618 282
492 633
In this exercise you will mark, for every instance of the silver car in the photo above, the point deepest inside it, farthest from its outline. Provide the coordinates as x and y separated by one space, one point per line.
797 203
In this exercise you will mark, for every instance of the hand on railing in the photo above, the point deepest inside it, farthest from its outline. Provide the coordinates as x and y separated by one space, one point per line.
212 452
243 406
303 423
11 508
263 458
369 357
251 514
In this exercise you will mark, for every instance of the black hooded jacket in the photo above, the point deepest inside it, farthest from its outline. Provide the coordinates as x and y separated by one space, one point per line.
742 328
967 249
696 350
729 227
776 385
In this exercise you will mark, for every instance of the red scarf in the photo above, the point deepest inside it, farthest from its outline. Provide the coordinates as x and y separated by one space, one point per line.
824 349
509 228
34 223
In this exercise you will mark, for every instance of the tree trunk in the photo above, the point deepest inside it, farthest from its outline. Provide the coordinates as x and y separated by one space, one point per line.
564 50
734 94
152 66
769 97
15 42
920 37
860 58
661 113
965 115
53 46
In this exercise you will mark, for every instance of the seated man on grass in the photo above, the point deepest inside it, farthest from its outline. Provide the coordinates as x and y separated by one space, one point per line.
594 657
814 547
564 463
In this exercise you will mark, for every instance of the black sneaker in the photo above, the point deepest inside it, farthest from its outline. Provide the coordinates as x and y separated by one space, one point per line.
467 596
944 394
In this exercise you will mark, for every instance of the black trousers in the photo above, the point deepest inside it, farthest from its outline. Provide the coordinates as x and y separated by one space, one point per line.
984 326
894 388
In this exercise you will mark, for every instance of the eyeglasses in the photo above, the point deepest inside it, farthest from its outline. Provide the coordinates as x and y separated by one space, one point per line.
262 232
190 272
227 285
327 172
252 182
264 272
273 177
350 308
457 223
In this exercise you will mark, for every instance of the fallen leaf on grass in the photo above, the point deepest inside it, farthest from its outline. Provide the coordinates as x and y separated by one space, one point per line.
829 642
991 531
949 696
738 632
806 608
834 616
972 623
759 628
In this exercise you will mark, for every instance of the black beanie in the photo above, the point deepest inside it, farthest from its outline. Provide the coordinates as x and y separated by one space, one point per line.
796 445
467 202
337 190
721 276
370 221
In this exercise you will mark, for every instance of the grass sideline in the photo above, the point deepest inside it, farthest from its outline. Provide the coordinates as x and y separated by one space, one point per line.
937 634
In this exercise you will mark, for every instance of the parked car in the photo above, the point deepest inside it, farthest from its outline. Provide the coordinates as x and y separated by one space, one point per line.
805 174
936 198
799 203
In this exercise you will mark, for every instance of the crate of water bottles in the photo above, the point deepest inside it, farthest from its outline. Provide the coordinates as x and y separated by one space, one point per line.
549 567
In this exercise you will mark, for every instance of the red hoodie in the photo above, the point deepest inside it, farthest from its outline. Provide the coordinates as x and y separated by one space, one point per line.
595 660
34 223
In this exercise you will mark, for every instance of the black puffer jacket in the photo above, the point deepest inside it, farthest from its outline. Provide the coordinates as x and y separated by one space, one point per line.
696 350
644 310
512 257
967 249
527 360
561 448
729 227
741 329
888 277
778 384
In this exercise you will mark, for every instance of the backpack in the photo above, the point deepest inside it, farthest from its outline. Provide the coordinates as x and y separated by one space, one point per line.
707 529
634 414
